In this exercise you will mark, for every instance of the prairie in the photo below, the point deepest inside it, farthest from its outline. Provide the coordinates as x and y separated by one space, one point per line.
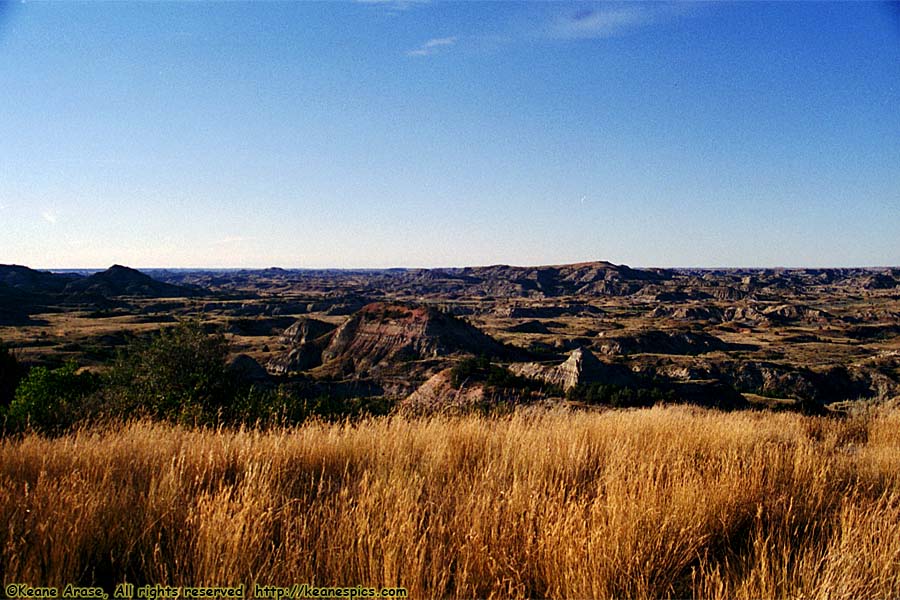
661 502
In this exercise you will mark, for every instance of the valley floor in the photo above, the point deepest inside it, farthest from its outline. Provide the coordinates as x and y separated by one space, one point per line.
662 502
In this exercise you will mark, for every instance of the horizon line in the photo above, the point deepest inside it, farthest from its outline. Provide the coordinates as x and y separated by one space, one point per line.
444 267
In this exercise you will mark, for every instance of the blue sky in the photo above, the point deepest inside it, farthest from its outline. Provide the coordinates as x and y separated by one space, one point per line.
406 133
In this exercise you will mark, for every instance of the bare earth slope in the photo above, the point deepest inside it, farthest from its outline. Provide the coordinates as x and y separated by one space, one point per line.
383 333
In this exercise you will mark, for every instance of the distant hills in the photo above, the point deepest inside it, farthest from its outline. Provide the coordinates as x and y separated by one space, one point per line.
32 281
598 278
25 291
124 281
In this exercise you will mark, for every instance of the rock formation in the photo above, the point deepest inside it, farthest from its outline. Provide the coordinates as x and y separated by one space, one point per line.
305 339
390 333
437 395
580 367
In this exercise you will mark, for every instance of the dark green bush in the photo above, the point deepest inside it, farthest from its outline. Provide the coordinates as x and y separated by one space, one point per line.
619 396
11 373
285 405
181 374
51 400
338 407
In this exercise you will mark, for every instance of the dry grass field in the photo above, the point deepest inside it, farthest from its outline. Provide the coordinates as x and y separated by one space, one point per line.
663 502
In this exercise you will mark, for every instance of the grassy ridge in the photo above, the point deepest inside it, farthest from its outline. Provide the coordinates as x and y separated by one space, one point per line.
649 503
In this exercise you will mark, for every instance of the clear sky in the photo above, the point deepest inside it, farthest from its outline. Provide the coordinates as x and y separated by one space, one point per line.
412 133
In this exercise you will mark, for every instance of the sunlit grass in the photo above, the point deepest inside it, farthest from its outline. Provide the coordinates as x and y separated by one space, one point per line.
651 503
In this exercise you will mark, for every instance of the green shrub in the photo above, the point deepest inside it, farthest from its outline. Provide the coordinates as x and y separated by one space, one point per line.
331 407
181 374
619 396
284 405
11 373
51 400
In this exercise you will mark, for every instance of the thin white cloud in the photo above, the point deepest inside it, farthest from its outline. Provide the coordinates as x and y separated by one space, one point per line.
432 46
612 20
395 5
50 216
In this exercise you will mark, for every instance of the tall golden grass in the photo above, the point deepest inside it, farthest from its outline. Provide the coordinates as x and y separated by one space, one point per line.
664 502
